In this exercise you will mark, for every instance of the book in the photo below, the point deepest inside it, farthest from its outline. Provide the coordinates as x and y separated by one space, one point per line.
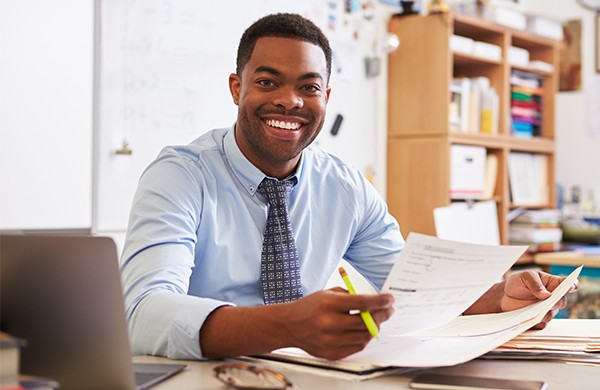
460 89
478 84
533 234
489 111
550 217
10 352
454 111
528 175
491 175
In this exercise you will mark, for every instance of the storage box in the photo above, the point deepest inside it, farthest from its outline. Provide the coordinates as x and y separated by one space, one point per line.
545 27
518 56
487 50
461 44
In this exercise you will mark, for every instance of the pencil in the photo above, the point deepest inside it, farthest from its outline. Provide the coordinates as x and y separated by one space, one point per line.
366 316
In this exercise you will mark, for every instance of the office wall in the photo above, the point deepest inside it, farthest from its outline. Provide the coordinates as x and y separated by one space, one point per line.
46 73
577 143
162 79
56 173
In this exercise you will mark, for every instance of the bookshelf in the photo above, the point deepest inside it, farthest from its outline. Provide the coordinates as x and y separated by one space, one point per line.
420 135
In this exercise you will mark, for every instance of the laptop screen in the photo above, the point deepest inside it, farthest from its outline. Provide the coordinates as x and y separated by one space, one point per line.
63 296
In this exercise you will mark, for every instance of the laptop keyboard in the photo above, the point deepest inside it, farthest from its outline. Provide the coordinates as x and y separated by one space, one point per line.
146 377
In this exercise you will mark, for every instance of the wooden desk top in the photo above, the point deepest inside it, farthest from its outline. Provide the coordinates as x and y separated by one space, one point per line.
572 258
199 375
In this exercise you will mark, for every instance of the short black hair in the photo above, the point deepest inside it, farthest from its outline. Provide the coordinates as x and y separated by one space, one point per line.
281 25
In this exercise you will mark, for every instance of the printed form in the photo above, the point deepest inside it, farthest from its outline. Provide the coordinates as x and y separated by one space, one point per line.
435 281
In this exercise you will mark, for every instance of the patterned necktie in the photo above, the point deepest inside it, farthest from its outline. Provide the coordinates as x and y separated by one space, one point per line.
280 266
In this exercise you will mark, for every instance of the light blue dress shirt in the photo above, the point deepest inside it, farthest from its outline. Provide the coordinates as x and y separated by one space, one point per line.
195 235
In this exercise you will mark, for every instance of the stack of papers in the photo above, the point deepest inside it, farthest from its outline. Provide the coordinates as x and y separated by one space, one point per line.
433 282
563 339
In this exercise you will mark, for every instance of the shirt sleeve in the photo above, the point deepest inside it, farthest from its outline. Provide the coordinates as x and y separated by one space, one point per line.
378 241
157 262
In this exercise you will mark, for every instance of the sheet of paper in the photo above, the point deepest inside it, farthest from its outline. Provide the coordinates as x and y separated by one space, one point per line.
436 280
567 328
477 325
475 223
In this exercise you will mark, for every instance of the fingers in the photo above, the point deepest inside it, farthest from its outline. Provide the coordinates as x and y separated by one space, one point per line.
561 304
366 302
575 286
534 284
549 316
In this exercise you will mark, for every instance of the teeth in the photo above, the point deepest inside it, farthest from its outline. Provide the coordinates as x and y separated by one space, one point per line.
283 125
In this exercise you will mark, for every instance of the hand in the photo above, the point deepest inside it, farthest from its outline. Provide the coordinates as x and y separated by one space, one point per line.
322 325
528 287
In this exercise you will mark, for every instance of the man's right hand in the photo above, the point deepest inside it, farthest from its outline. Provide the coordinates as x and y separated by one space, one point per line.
320 324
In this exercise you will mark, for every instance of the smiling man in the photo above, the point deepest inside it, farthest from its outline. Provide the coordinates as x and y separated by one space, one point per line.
233 237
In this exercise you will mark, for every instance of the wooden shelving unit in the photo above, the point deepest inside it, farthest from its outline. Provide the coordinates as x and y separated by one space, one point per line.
419 135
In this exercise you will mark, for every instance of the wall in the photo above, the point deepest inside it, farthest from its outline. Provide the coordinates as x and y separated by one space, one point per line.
162 80
577 151
46 73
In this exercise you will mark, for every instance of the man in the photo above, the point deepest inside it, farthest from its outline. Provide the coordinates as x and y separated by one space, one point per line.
195 266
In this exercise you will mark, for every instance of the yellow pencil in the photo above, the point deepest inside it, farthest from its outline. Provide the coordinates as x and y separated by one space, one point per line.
366 316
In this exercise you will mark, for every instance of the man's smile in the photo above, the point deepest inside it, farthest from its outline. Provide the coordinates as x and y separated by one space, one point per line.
287 125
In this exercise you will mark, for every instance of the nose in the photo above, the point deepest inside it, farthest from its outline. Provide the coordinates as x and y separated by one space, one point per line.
288 98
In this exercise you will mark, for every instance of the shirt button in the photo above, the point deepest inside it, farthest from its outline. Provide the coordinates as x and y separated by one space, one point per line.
251 188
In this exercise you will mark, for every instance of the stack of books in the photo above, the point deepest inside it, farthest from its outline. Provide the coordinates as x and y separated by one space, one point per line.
540 229
526 104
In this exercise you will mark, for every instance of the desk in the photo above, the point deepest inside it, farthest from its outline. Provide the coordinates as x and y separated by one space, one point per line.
198 375
574 259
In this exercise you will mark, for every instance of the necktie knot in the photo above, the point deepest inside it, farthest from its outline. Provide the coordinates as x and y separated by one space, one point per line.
275 191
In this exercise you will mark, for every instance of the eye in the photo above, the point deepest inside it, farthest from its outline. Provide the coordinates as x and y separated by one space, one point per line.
311 88
266 83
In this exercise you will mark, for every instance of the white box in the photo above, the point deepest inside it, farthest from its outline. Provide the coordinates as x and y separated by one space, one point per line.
461 44
467 171
542 65
487 50
545 27
518 56
508 17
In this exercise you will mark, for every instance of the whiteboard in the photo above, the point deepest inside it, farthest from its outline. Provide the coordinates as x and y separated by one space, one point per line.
163 69
46 80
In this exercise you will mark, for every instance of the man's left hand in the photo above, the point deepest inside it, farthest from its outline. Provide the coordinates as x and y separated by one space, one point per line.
528 287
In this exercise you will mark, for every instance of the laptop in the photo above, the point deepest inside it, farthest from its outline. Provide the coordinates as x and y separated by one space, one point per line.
63 296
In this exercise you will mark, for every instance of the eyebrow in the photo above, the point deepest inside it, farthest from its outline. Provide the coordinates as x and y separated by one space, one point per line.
275 72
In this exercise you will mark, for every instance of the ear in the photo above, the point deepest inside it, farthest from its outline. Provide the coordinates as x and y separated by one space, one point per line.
327 92
235 84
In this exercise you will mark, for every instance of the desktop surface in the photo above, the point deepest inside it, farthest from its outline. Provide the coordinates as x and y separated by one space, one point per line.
199 375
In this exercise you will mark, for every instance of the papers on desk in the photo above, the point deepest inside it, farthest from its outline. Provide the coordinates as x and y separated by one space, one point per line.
433 282
563 339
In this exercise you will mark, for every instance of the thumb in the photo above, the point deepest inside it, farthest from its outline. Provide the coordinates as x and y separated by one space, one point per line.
534 284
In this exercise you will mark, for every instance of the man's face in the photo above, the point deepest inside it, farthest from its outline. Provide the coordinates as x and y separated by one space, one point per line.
282 94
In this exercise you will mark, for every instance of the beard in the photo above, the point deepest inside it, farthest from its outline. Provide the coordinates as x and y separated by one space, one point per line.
277 151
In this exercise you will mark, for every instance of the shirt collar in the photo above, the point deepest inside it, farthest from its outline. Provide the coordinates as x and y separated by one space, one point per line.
246 173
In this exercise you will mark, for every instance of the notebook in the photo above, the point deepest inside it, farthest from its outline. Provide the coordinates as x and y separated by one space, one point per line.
63 296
